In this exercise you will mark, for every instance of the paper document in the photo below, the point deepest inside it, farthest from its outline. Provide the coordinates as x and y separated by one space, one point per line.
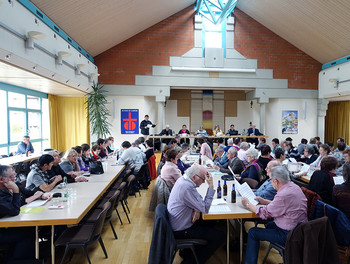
338 180
246 192
37 203
222 208
218 201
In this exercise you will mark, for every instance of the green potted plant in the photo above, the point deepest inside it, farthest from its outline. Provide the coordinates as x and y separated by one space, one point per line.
97 111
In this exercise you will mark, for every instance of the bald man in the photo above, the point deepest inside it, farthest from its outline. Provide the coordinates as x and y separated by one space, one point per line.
266 190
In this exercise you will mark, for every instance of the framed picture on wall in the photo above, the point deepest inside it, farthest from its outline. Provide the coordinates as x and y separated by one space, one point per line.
289 122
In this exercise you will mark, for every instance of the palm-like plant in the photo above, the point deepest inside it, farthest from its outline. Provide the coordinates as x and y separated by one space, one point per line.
97 111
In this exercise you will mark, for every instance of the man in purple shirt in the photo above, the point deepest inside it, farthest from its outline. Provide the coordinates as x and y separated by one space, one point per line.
184 207
288 208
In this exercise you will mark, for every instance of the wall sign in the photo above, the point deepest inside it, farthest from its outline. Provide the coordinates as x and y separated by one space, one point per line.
129 121
289 122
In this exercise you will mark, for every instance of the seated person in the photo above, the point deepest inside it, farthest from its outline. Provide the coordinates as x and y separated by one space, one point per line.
56 169
301 146
341 192
346 154
25 146
253 131
102 144
184 207
174 142
266 190
280 155
139 160
85 154
292 151
128 156
149 152
110 147
324 152
181 150
81 163
170 172
166 132
234 162
221 157
70 164
20 238
275 145
242 152
205 149
95 152
38 179
253 170
217 131
309 154
339 155
184 132
229 144
265 156
201 132
232 131
322 181
288 208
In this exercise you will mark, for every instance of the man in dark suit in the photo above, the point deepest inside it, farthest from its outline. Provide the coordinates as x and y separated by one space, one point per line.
253 131
166 132
234 162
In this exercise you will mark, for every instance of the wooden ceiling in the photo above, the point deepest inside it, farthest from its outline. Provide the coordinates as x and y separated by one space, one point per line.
319 28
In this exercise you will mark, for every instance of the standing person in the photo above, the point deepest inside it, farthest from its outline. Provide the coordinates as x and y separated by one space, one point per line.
145 125
25 146
288 208
184 207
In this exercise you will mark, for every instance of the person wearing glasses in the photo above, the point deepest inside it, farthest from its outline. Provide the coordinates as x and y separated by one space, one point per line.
184 207
288 208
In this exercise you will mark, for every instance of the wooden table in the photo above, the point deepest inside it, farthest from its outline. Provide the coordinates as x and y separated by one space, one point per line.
213 137
237 210
19 158
83 196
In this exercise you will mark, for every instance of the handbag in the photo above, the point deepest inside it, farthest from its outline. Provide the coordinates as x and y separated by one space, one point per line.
96 167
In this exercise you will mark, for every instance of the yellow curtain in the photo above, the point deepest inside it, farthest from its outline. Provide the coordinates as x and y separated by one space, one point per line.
69 125
337 123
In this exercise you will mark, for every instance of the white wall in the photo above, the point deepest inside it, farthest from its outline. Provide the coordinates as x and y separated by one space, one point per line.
172 119
145 104
307 128
339 72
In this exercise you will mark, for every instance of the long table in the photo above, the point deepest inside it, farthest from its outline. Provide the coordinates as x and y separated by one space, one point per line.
236 210
213 137
83 196
19 158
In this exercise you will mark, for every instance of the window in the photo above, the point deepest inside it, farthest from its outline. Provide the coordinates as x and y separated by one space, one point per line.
23 112
213 34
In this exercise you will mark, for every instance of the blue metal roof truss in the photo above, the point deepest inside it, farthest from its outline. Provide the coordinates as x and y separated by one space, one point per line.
215 10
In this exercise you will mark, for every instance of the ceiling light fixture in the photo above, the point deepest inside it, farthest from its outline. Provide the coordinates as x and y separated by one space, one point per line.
33 35
61 55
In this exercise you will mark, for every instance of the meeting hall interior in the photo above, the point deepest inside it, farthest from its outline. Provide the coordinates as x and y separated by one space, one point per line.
189 131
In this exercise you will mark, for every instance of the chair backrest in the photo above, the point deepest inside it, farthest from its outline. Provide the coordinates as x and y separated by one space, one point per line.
311 197
163 243
34 161
98 225
122 188
142 170
339 221
113 201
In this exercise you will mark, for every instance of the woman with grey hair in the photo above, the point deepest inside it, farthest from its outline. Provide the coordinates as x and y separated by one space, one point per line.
341 192
253 172
309 154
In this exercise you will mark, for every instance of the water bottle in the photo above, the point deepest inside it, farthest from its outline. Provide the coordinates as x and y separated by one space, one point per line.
65 189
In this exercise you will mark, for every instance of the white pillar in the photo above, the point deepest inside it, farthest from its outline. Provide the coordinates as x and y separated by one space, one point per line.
161 112
322 106
262 118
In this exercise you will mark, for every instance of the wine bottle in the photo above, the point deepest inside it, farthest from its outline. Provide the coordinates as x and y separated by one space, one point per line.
218 190
233 194
225 188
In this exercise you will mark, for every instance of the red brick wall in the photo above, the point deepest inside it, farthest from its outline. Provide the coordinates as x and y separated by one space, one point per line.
254 41
153 46
174 37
